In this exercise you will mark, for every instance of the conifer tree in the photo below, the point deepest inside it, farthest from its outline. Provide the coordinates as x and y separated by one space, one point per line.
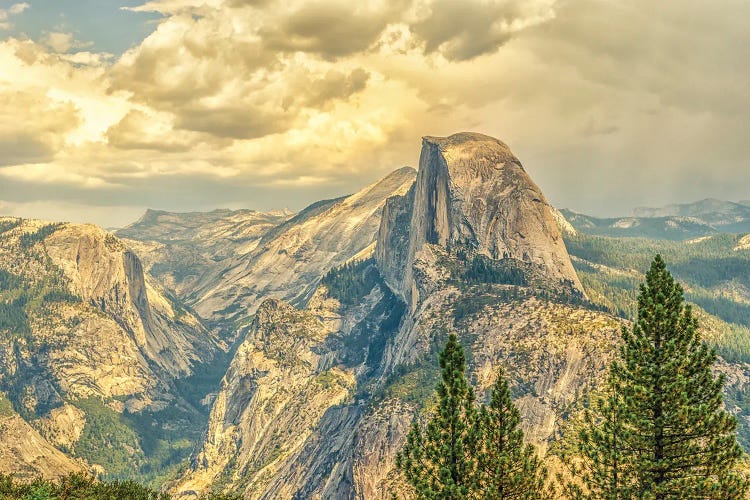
506 468
675 438
599 444
439 463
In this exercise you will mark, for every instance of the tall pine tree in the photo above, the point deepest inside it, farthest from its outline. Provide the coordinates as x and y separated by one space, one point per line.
439 463
599 444
506 468
676 439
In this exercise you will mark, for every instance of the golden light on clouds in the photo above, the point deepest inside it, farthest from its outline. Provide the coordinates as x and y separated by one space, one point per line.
227 99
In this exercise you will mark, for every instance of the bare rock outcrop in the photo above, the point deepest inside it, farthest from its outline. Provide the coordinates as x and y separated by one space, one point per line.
472 193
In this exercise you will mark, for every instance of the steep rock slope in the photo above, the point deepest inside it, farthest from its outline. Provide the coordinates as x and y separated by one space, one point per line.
105 273
288 390
25 453
291 258
181 249
474 250
84 333
473 194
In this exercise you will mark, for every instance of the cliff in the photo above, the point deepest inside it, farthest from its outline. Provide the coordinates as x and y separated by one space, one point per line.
471 193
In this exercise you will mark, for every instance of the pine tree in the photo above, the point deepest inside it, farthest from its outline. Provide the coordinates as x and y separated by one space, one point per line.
439 463
675 438
599 445
506 469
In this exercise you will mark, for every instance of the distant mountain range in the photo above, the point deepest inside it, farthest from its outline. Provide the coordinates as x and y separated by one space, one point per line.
282 356
672 222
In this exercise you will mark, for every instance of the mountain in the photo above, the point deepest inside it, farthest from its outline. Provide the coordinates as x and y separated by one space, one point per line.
714 274
672 222
723 215
291 258
675 228
87 338
181 249
282 355
471 193
318 399
25 453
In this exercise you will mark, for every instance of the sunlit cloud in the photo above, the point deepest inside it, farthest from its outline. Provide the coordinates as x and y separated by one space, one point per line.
228 100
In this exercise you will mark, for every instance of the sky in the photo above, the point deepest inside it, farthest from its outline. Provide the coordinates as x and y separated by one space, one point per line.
108 107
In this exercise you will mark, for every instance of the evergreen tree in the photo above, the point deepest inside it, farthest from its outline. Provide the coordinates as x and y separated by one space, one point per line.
600 445
666 405
506 469
439 463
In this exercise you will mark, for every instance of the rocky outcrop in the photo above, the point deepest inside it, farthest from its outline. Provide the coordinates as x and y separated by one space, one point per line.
291 258
277 391
85 324
472 193
27 455
106 274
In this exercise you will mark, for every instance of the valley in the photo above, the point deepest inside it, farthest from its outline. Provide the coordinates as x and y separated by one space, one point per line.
285 355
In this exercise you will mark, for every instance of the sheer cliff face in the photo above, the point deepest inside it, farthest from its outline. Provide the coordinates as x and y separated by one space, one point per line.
85 321
470 197
471 193
105 273
290 259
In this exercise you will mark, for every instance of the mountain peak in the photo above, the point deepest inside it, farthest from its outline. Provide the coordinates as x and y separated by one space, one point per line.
476 152
471 193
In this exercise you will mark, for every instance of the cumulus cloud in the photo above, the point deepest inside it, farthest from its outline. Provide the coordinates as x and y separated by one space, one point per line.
32 127
463 30
331 28
266 103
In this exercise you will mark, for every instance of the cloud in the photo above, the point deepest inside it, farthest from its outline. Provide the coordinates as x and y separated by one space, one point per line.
267 103
13 10
331 29
61 42
32 127
462 30
142 130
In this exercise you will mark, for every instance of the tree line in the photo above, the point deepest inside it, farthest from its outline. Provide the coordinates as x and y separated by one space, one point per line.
657 430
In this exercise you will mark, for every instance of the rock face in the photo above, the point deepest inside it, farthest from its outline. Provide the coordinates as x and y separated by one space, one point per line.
27 455
275 394
82 321
471 200
105 273
472 193
291 258
183 250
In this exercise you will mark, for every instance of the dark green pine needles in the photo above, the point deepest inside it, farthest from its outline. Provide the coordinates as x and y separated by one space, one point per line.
660 431
506 468
438 463
470 453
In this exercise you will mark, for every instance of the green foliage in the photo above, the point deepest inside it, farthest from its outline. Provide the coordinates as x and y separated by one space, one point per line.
350 283
506 468
28 240
414 383
7 225
734 344
468 452
6 408
438 462
83 487
482 269
108 440
13 317
662 431
76 486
